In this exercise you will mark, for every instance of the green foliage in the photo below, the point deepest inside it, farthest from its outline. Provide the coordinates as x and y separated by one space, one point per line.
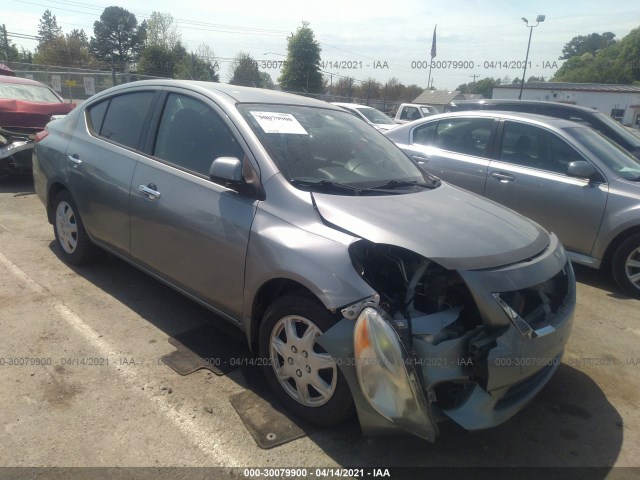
48 30
117 38
301 72
483 87
245 71
266 81
162 30
618 63
157 61
591 43
8 51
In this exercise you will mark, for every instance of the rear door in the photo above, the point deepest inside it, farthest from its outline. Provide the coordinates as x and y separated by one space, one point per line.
101 159
184 227
456 150
529 175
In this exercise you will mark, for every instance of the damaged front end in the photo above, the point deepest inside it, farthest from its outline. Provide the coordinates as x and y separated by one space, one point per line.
16 145
473 346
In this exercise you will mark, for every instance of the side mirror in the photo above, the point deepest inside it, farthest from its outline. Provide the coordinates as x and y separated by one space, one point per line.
232 173
581 169
226 170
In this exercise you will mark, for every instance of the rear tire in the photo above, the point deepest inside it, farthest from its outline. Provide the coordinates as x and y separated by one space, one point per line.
75 246
625 266
300 373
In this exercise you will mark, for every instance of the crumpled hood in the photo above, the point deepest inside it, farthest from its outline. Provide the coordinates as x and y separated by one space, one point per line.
20 113
455 228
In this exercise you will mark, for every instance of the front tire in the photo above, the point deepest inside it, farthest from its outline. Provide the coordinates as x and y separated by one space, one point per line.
300 373
626 266
75 246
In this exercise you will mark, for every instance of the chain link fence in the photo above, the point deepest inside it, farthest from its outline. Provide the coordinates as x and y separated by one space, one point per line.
78 84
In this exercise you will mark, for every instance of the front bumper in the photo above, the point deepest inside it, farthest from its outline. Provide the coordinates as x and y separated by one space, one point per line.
487 375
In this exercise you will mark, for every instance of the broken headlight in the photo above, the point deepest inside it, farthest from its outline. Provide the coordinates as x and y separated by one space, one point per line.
386 376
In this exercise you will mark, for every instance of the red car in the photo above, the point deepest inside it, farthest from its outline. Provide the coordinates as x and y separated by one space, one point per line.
26 106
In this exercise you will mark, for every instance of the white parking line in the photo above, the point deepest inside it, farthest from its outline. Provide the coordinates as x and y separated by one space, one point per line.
209 442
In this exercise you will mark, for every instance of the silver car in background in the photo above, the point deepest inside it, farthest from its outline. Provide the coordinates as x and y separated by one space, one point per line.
359 279
372 116
571 179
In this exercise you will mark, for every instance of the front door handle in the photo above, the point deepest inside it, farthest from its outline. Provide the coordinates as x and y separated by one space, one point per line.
151 191
503 177
75 159
420 158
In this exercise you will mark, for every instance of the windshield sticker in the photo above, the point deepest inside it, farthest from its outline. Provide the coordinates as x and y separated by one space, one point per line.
272 122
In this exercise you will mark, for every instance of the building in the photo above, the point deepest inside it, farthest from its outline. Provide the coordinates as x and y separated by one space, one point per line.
438 98
621 102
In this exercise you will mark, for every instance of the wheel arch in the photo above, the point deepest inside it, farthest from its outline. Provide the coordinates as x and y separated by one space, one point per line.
615 243
54 190
265 296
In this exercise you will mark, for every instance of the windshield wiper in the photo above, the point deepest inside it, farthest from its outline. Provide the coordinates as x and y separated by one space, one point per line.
327 185
406 183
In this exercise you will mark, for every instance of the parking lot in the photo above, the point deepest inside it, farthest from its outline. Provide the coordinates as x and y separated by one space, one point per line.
98 394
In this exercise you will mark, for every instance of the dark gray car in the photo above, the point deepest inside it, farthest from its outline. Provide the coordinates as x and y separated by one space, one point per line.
564 175
357 278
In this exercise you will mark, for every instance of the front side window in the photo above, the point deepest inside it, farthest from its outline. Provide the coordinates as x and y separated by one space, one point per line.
125 117
191 135
531 146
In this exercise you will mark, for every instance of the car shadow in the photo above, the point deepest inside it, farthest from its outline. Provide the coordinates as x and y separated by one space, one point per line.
569 424
20 185
601 279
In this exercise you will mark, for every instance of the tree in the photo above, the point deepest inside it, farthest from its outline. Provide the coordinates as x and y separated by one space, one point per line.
162 30
157 61
48 30
342 87
117 38
301 71
8 51
245 71
266 81
78 36
617 63
591 43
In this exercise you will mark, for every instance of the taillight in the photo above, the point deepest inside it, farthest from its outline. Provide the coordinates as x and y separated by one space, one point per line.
41 135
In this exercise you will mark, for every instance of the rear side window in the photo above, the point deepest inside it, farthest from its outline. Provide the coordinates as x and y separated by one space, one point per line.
469 136
124 118
96 116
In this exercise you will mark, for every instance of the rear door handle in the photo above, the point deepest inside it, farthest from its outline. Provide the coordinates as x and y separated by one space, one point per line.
503 177
75 159
151 191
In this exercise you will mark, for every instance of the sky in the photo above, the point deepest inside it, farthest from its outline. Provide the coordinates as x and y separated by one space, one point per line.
362 39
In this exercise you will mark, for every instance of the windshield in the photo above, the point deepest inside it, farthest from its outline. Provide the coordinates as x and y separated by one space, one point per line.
317 146
608 152
29 93
376 116
619 129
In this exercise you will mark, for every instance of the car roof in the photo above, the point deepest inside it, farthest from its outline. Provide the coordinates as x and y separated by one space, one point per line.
20 80
505 101
233 93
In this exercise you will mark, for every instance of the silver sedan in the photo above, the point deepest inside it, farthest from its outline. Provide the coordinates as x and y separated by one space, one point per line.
569 178
359 279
